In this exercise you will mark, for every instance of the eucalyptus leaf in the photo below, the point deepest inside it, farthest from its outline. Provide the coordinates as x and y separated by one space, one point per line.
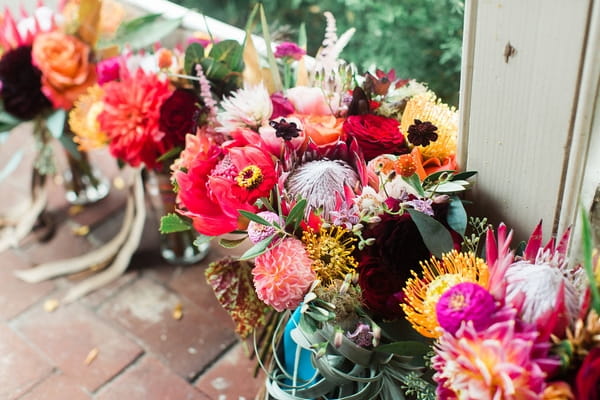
201 240
435 235
12 164
415 182
435 177
193 56
56 122
296 213
457 216
231 243
256 218
449 187
257 249
464 175
8 121
143 31
171 223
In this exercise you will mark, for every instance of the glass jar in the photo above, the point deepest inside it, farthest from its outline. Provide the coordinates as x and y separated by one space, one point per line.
176 247
84 184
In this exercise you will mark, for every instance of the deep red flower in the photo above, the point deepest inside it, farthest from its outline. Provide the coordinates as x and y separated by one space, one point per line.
21 85
221 181
178 116
587 382
282 107
376 135
385 266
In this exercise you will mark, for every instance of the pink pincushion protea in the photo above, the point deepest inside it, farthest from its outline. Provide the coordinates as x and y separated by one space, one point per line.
506 360
465 302
283 274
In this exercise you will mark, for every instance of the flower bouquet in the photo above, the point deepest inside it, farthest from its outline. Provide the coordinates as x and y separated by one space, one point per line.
341 188
138 106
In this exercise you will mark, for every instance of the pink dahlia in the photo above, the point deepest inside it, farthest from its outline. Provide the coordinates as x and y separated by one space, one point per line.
131 115
283 275
503 361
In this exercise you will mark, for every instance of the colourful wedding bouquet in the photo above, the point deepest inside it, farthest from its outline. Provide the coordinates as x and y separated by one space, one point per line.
342 184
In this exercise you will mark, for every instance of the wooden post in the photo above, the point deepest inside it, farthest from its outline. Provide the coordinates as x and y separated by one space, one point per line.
529 94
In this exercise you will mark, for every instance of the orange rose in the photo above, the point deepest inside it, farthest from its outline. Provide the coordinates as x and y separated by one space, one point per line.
65 66
322 129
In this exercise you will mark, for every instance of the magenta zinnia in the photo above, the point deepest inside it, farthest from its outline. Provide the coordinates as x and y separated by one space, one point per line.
283 274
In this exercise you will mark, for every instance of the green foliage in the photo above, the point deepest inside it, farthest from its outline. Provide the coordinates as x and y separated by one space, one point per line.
142 32
436 237
420 39
171 223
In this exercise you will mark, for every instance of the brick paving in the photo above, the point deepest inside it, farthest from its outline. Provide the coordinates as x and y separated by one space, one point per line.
143 352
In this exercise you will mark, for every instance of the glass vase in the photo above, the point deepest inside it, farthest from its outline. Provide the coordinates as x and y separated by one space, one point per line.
84 184
176 247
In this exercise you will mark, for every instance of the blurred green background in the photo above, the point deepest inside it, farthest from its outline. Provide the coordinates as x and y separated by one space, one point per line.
420 39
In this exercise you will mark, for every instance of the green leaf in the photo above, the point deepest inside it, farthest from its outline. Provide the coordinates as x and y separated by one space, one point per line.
215 70
464 175
318 316
588 259
296 213
173 153
307 325
449 187
415 182
435 235
231 243
12 164
257 249
171 223
270 57
302 42
255 218
407 348
201 240
228 52
193 56
69 145
143 32
56 122
434 178
457 216
7 121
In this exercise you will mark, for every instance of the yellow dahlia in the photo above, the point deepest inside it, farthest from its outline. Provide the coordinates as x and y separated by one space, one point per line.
331 252
83 119
421 295
425 107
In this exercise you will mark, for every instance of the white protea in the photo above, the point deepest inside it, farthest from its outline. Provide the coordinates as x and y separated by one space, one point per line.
319 182
249 107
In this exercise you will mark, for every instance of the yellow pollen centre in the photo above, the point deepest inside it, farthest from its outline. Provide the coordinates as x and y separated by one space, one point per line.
457 302
438 287
250 177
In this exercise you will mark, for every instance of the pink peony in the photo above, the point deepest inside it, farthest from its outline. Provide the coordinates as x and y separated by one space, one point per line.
308 100
283 275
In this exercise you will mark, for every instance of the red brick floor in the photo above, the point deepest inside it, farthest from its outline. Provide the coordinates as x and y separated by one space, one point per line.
142 351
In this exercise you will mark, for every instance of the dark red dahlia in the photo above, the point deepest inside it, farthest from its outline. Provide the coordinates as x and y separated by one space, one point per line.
21 86
178 116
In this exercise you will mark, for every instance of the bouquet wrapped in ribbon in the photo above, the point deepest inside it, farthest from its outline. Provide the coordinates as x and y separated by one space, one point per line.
342 184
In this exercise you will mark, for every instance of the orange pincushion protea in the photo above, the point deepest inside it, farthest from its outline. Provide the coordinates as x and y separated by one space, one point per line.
422 294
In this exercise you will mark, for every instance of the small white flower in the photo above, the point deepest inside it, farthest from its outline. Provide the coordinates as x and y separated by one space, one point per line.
249 107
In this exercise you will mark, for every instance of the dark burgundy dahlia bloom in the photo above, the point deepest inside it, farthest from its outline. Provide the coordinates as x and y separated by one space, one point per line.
21 87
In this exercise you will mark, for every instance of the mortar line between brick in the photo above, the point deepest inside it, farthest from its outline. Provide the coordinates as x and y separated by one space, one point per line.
129 366
193 380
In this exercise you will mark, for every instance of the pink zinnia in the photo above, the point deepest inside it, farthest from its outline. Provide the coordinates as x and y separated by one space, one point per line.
130 118
506 360
465 301
283 275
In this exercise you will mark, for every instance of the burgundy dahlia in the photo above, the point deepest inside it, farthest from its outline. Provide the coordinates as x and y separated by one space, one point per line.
21 86
178 116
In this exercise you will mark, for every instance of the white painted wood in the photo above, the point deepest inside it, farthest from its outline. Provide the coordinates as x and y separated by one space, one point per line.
518 111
